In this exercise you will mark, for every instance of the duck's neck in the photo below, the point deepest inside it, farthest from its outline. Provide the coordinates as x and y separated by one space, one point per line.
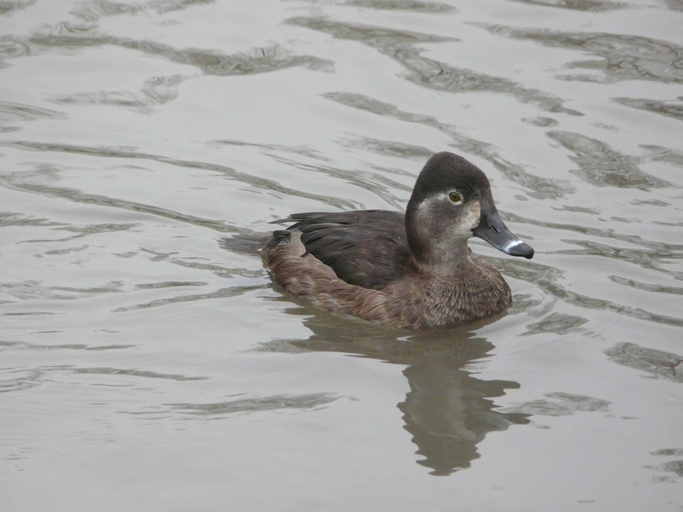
444 259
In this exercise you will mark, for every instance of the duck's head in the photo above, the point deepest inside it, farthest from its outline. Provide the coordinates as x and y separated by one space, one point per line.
451 202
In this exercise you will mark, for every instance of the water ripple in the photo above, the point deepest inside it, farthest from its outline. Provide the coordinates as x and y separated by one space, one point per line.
11 219
624 57
602 233
431 73
402 5
537 186
578 5
648 287
392 148
649 259
12 47
663 154
555 323
656 363
135 373
381 186
100 200
10 111
667 452
23 345
665 108
95 9
35 290
169 284
7 6
549 278
296 150
223 293
673 466
219 270
19 379
157 90
560 404
81 231
109 152
211 62
248 405
602 166
381 38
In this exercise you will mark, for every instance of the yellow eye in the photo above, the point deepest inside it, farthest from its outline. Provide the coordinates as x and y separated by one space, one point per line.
456 197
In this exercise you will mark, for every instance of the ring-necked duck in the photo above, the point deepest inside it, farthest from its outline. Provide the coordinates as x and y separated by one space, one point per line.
413 270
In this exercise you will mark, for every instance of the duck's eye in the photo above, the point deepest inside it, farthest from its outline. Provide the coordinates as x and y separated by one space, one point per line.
456 197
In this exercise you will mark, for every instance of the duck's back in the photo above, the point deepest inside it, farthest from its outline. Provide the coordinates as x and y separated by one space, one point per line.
367 248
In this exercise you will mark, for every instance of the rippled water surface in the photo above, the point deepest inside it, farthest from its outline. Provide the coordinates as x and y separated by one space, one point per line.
146 361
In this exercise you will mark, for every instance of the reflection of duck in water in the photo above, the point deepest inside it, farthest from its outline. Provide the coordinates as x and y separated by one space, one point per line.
411 271
448 410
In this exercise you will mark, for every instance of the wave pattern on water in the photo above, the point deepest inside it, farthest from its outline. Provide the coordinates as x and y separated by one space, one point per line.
550 280
111 152
656 363
624 57
578 5
211 62
560 404
538 186
93 10
156 91
671 109
250 405
402 5
7 6
145 148
602 166
399 45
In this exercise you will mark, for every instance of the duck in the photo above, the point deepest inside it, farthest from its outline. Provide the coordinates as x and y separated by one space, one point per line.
410 270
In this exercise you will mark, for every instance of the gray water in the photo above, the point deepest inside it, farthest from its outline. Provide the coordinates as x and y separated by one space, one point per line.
146 361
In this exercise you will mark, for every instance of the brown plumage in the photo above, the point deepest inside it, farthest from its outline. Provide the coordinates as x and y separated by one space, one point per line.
412 271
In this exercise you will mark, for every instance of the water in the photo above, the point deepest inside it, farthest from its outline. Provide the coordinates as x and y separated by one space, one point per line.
147 363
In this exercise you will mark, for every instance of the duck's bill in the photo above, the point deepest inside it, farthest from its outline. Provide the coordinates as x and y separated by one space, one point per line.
492 229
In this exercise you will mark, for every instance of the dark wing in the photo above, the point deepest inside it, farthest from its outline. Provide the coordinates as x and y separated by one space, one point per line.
366 248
